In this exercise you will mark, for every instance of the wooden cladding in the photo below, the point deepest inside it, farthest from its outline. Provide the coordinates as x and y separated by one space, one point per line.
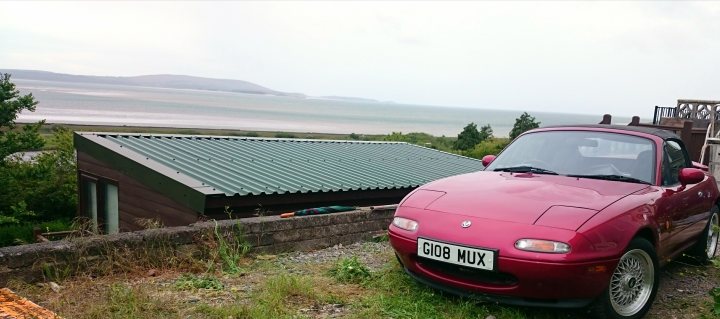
136 202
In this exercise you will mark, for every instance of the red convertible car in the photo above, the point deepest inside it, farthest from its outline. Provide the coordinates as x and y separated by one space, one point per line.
563 217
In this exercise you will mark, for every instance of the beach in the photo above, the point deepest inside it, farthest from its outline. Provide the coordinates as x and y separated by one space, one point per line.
118 105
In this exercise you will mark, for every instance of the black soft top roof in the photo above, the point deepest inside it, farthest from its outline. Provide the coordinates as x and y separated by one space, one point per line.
664 134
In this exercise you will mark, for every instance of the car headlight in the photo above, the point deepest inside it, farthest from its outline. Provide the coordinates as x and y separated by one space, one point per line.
542 246
404 223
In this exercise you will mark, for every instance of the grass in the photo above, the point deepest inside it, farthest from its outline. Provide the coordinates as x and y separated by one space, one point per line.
370 285
350 270
279 296
396 295
122 301
193 282
231 247
348 287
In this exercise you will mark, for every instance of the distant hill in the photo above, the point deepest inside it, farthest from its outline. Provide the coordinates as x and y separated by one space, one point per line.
171 81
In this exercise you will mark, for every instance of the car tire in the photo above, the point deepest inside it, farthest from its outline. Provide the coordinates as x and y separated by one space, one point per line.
633 284
707 245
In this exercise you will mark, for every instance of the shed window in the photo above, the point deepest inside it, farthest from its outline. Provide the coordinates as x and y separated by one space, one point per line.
111 209
99 203
89 199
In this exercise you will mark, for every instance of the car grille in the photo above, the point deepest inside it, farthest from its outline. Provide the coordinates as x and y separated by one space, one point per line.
469 273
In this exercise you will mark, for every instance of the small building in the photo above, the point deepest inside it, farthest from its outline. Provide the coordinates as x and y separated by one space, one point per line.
180 179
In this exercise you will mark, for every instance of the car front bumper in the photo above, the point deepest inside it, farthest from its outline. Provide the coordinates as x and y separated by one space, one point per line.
515 281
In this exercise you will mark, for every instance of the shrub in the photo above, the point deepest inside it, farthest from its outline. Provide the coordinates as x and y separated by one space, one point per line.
226 249
350 270
43 190
492 146
16 234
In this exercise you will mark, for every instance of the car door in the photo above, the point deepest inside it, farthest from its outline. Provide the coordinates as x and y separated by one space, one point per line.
677 202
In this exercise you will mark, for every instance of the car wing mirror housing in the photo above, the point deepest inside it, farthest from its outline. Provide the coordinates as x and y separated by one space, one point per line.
487 159
690 176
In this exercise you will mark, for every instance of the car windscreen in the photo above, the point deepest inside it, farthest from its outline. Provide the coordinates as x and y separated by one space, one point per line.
581 153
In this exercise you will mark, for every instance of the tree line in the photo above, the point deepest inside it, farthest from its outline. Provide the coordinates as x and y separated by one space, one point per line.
478 143
41 191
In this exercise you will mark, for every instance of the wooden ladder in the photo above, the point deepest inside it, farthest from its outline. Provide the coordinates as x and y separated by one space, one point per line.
712 140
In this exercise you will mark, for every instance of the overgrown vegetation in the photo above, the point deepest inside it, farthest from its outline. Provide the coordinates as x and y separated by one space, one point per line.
715 292
302 289
124 301
279 296
228 248
39 192
22 233
470 136
192 282
350 270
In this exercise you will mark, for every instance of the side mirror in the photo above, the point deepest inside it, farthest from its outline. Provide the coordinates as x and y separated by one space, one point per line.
699 166
487 159
690 176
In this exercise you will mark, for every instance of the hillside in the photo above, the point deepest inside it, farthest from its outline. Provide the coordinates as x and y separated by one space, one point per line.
157 80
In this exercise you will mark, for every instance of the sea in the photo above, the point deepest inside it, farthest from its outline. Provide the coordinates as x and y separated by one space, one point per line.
119 105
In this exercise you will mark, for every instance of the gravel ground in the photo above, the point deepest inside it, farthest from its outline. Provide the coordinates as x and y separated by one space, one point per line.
373 255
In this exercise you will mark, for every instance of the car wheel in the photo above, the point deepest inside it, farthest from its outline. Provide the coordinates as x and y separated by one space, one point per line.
633 284
707 245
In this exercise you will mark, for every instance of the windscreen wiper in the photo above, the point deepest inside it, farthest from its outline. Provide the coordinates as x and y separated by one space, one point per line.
620 178
525 169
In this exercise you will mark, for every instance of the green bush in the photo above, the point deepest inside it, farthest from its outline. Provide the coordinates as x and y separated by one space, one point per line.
42 190
350 270
488 147
23 233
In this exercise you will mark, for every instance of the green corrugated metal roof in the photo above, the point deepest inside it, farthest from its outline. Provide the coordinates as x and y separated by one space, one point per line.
241 165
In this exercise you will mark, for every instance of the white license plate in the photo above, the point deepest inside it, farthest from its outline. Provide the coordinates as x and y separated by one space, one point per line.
456 254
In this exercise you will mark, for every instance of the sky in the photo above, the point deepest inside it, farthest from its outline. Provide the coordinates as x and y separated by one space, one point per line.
613 57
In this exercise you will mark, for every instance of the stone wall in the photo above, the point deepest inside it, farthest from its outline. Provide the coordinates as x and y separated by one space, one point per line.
270 234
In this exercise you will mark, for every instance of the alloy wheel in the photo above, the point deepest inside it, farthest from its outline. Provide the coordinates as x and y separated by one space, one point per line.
632 282
712 236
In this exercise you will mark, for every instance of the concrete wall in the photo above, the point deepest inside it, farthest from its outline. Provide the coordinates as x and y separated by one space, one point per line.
270 234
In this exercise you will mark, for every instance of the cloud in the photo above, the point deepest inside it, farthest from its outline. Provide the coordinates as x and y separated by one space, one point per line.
587 57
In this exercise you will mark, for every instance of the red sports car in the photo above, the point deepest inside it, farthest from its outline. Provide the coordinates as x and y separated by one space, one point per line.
563 217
